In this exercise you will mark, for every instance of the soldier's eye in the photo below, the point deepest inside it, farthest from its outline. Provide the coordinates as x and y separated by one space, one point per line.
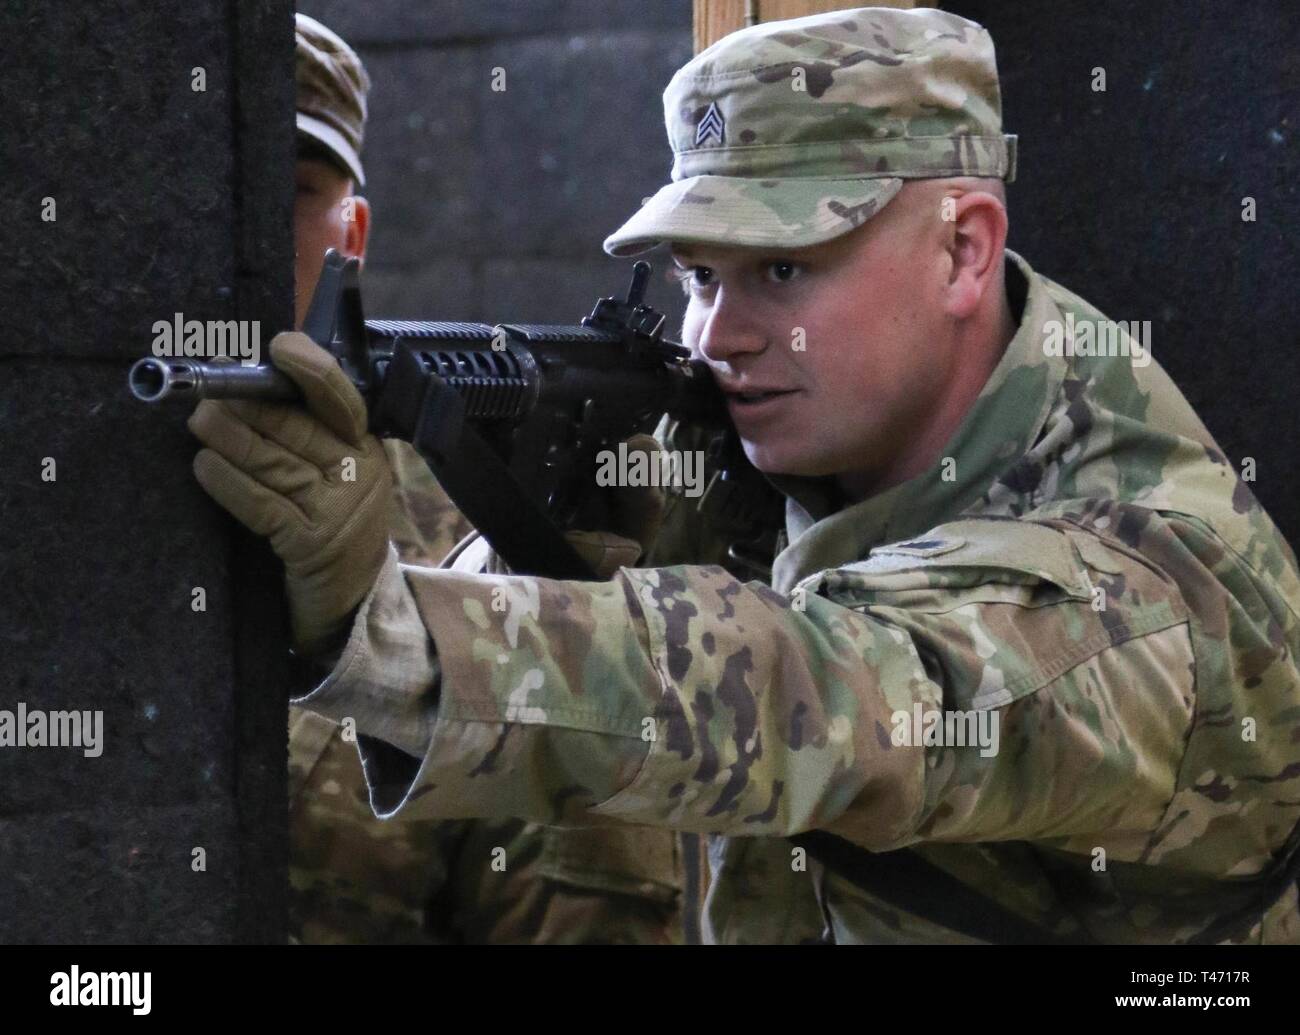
695 278
782 271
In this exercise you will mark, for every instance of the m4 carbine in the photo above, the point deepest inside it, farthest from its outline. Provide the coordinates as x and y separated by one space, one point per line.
510 418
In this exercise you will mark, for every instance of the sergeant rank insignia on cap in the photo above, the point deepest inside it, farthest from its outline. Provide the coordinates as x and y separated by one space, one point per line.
712 129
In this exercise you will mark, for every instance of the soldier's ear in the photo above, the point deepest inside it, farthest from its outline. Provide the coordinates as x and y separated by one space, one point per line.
357 229
975 245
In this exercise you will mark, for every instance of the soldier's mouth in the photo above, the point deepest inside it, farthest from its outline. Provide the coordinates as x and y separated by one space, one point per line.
751 410
754 398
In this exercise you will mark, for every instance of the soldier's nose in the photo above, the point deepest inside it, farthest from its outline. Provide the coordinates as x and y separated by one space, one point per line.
729 330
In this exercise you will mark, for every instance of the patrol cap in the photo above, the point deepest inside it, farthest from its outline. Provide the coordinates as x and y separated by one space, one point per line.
794 132
332 88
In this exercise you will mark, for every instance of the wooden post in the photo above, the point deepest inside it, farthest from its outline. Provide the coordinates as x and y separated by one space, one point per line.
715 18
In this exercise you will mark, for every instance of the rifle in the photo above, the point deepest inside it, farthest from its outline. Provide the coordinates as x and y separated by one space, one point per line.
510 418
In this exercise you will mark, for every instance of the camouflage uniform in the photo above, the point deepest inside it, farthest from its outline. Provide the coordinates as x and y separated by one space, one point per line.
1161 728
356 879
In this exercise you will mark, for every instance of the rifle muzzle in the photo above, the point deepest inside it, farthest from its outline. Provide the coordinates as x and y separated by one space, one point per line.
152 380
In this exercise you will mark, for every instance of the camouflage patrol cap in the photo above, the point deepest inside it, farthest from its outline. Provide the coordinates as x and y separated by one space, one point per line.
791 133
332 88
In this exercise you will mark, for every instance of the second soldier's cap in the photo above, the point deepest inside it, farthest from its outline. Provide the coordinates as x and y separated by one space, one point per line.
332 88
791 133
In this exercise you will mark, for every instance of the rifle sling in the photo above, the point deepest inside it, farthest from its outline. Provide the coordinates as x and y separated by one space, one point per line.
907 881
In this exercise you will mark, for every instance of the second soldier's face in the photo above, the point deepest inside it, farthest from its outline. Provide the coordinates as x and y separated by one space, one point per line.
321 221
831 356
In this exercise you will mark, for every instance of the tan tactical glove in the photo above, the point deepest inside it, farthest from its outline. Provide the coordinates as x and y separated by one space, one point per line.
311 479
635 514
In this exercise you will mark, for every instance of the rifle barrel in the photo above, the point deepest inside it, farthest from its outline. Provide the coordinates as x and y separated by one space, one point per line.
153 380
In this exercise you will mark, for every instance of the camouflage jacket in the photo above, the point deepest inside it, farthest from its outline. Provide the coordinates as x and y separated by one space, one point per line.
1083 571
357 879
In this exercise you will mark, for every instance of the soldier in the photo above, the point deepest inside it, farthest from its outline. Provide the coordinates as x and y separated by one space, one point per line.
1029 643
354 878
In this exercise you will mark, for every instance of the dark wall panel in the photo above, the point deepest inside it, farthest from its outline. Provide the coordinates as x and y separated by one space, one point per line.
167 199
1133 197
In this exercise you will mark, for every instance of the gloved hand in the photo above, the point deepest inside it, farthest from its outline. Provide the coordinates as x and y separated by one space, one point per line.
280 470
635 515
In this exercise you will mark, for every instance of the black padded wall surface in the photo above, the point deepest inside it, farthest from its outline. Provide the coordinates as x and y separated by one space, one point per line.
1134 195
147 171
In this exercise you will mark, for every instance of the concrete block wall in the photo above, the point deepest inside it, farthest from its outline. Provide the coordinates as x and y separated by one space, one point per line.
492 204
